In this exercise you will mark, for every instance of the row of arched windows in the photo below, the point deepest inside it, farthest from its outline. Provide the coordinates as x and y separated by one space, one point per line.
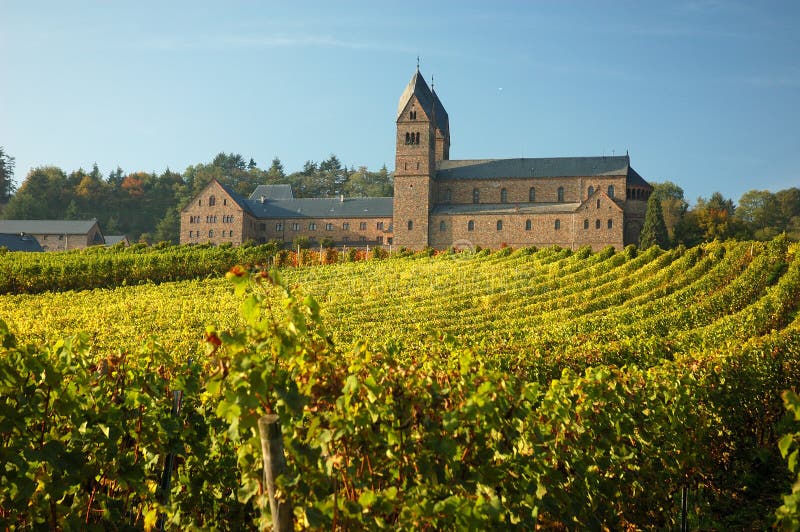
597 224
476 195
609 191
637 194
499 225
412 138
196 234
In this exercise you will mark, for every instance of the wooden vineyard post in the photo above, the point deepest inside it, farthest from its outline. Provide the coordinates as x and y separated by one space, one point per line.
169 460
274 464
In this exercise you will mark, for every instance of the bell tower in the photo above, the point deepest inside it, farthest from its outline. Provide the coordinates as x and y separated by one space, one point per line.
415 163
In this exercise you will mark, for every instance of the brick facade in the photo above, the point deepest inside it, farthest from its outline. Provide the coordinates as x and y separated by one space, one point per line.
570 202
214 216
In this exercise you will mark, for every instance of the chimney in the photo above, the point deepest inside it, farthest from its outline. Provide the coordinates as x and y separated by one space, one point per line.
341 198
262 199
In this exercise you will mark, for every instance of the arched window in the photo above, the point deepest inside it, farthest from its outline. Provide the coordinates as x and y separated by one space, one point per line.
586 224
499 225
413 115
212 201
561 194
416 140
598 203
532 195
210 233
442 226
610 191
503 195
448 195
199 203
476 195
558 225
591 191
528 225
471 225
597 224
408 138
410 225
610 223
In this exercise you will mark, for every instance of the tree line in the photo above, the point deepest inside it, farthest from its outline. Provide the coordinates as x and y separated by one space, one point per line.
759 215
146 206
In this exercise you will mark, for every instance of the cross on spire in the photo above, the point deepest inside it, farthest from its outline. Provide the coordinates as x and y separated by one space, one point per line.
417 63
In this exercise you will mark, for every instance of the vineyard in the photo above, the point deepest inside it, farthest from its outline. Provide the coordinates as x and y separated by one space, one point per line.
507 389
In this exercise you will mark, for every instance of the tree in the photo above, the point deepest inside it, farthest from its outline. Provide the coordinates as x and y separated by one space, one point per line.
760 213
673 204
6 176
715 217
168 228
654 231
44 194
276 174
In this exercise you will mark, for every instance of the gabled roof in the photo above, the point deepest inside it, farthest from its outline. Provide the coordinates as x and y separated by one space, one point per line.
19 242
322 208
585 205
427 99
505 208
274 192
235 196
47 227
634 179
539 167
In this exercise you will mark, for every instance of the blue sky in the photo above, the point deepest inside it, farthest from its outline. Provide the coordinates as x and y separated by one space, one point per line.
704 93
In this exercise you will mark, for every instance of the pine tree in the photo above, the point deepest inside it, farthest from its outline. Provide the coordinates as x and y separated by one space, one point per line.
654 232
6 176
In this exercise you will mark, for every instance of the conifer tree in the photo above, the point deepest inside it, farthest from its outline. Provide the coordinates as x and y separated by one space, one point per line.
654 232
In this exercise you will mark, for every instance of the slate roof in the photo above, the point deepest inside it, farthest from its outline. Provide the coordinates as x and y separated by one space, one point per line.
239 199
506 208
539 167
47 227
276 192
115 239
427 99
322 208
634 179
17 242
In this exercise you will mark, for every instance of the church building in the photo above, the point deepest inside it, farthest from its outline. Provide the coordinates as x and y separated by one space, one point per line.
438 202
